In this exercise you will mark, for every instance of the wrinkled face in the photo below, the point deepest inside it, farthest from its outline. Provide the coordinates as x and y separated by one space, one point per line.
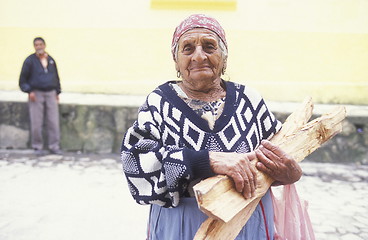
39 46
199 57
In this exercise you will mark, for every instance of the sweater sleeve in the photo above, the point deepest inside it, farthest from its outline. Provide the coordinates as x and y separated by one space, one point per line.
158 173
24 76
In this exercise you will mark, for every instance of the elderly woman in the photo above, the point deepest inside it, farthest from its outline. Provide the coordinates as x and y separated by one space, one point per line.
199 127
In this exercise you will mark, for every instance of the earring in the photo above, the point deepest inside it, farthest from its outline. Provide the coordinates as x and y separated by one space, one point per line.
223 71
178 74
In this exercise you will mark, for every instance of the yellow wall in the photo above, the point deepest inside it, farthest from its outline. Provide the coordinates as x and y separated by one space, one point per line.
287 49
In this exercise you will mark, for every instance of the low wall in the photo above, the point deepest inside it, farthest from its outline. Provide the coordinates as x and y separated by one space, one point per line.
84 128
100 129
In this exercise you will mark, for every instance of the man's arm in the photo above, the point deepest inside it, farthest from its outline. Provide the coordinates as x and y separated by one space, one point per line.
24 76
58 88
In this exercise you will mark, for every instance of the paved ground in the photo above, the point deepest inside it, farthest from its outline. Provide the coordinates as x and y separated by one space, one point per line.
85 197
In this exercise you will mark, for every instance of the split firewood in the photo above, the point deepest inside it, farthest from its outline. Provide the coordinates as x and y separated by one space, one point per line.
231 201
227 209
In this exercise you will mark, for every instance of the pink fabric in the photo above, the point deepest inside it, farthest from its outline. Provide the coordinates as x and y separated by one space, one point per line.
197 21
291 216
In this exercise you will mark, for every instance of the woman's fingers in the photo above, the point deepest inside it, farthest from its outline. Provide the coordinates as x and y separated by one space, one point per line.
251 156
253 181
239 181
261 167
238 167
250 178
272 148
263 158
244 176
248 184
277 164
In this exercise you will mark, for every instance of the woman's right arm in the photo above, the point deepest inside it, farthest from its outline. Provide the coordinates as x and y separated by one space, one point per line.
158 173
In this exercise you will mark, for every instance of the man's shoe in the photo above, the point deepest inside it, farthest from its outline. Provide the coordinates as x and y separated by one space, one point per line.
40 152
56 152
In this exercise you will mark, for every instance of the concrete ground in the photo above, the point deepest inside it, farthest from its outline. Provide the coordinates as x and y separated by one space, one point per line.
85 197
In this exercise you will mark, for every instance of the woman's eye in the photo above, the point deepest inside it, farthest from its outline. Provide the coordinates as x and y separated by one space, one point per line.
210 47
187 48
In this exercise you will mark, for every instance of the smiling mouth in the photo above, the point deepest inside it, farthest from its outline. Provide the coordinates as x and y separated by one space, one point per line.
199 68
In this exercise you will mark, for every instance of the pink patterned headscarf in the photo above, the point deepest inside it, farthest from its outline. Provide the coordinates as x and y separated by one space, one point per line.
197 21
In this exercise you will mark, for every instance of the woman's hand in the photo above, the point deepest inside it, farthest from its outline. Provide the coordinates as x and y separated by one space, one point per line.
277 164
238 167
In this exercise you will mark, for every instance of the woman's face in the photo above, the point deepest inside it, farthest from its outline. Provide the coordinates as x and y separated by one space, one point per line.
199 57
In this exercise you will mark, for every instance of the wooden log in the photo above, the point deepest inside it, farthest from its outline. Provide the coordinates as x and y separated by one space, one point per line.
298 141
295 121
231 201
216 229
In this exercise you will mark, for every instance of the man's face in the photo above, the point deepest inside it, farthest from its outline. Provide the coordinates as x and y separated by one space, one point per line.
39 46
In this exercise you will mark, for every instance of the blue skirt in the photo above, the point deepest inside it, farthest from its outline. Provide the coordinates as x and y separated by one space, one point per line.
182 222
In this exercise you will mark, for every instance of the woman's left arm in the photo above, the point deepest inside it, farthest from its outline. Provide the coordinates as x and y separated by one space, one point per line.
277 164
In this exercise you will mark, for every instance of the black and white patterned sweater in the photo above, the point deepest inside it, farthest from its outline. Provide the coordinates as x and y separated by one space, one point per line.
167 146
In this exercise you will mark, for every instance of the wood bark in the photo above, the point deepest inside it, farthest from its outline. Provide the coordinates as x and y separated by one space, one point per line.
227 209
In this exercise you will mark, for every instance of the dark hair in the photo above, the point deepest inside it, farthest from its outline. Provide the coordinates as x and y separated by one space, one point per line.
39 39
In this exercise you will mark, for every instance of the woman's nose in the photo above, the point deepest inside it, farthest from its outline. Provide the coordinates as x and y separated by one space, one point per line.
199 54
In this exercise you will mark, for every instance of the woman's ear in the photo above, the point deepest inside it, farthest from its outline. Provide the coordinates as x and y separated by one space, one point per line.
224 66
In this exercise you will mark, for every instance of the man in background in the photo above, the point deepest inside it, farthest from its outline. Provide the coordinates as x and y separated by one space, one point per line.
40 79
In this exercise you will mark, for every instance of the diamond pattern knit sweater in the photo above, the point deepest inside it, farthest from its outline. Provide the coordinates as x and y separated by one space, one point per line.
167 146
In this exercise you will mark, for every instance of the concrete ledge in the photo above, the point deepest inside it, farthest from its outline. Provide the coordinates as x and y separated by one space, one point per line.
136 101
96 123
81 99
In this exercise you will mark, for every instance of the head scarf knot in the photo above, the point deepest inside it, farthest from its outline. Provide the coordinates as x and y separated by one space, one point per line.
197 21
